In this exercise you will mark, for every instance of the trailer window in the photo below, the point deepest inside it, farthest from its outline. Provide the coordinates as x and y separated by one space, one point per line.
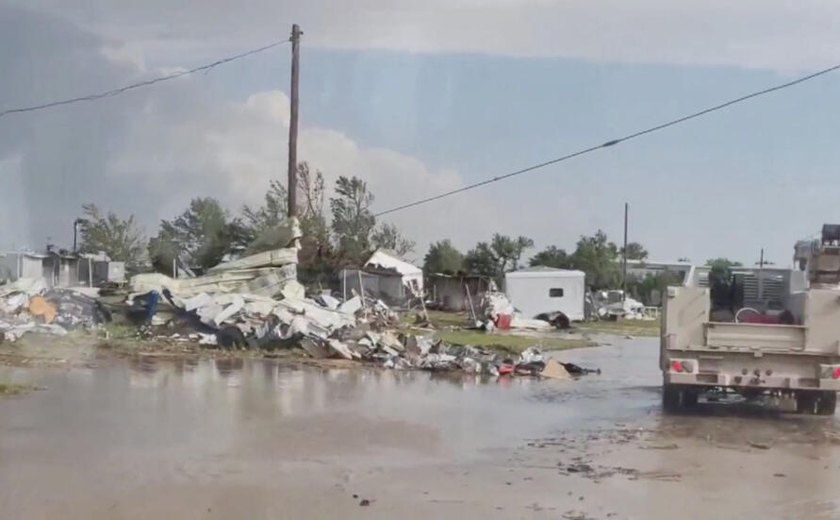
555 293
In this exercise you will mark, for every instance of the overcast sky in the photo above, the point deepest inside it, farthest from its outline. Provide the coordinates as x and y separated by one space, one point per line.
424 97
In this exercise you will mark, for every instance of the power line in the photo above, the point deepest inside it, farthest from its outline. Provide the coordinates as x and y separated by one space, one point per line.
612 142
146 83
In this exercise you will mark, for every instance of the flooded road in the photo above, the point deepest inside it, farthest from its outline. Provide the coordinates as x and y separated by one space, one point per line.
253 439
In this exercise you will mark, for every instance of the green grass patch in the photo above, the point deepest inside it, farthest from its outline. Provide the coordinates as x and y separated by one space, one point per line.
12 389
646 328
508 342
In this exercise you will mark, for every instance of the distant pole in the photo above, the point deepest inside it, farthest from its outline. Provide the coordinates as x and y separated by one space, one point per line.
293 120
761 277
624 256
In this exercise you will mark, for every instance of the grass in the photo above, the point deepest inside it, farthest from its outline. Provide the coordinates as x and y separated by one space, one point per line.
648 328
12 389
508 342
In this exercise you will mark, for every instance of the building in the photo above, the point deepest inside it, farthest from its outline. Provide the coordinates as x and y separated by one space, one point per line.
643 268
454 292
386 276
57 268
98 270
545 290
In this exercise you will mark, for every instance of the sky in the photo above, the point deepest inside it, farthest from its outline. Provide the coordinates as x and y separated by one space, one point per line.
420 98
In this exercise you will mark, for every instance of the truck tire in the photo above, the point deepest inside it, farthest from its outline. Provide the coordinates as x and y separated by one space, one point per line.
672 397
690 398
806 402
827 403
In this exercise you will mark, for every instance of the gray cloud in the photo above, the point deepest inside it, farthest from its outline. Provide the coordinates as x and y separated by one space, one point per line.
771 34
147 153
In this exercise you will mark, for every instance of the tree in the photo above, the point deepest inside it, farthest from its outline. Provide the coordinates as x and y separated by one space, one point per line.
635 251
388 236
273 211
121 239
552 256
352 220
722 263
201 235
482 261
509 250
497 257
311 192
596 256
443 258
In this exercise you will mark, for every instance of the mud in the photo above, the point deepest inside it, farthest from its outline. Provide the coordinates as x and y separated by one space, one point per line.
245 438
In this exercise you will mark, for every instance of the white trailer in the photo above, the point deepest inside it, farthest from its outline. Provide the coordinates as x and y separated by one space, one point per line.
543 292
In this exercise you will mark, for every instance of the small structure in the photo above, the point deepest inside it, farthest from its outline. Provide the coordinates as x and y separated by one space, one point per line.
386 276
453 292
57 268
544 290
23 264
98 270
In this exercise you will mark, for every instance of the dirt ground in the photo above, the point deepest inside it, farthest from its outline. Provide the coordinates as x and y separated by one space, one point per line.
149 437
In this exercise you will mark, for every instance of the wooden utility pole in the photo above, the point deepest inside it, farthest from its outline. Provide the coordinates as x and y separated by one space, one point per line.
293 120
624 260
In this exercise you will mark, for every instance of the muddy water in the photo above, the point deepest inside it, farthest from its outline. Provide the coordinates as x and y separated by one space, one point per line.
252 439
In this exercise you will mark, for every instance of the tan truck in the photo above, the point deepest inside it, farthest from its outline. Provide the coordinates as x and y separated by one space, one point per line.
789 349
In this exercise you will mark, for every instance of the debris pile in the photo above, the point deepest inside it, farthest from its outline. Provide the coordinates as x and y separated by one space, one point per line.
498 312
612 305
27 306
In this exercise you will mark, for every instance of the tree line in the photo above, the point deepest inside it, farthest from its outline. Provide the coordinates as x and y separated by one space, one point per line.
206 233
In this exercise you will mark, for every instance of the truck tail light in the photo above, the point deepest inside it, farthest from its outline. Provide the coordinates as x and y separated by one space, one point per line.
836 373
677 366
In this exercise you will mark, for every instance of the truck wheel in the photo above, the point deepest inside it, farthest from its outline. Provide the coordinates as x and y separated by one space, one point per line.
671 398
690 398
805 402
827 403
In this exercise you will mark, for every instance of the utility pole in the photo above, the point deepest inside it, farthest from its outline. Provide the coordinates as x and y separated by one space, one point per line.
761 277
293 120
624 256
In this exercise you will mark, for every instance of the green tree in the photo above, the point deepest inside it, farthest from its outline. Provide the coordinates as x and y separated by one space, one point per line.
273 211
509 250
497 257
443 258
552 256
201 236
635 251
482 261
722 263
352 220
597 257
121 239
388 236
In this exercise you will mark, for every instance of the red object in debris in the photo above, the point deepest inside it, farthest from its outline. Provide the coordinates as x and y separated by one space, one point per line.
503 321
505 370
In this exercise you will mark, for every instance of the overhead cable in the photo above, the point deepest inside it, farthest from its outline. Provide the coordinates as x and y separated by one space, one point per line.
141 84
612 142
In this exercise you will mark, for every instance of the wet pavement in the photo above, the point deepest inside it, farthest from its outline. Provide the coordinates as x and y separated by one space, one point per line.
157 438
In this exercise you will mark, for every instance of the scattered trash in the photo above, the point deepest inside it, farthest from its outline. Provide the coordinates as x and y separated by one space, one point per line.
26 306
